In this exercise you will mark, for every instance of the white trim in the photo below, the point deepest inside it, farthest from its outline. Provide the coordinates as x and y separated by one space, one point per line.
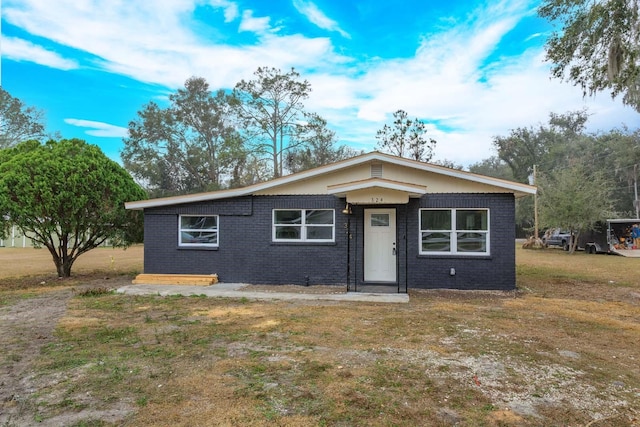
518 188
303 226
453 237
198 245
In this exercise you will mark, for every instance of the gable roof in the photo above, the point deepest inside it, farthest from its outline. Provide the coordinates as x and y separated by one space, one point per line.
338 178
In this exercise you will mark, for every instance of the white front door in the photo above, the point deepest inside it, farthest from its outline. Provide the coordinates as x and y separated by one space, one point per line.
380 245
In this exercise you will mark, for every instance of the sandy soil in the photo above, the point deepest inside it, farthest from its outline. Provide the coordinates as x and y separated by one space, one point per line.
27 325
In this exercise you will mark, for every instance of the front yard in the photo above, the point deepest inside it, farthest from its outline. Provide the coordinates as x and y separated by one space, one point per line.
562 350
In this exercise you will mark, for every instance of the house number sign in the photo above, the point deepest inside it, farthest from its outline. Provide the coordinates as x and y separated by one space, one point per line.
383 197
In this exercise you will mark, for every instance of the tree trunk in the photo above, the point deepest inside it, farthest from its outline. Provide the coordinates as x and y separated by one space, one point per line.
573 244
62 261
276 166
63 266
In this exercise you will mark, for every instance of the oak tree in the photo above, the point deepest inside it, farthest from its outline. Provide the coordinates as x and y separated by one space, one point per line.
191 145
574 198
18 122
548 146
598 46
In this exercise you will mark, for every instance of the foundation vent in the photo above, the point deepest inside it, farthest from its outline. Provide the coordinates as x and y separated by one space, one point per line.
376 170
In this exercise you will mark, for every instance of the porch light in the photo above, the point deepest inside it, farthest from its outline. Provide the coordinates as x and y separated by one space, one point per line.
347 209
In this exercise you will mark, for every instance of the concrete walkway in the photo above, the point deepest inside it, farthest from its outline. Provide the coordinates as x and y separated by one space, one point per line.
232 290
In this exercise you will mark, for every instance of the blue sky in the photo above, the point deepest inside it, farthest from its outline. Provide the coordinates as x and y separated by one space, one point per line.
470 69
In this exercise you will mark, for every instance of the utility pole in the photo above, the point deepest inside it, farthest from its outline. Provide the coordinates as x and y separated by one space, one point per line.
636 202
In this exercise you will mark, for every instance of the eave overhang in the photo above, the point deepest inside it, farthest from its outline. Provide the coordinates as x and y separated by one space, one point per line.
374 184
413 190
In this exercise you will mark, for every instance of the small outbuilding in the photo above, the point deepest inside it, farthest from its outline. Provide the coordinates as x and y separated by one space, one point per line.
374 219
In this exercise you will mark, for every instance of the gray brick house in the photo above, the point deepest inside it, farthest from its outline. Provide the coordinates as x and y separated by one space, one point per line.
374 219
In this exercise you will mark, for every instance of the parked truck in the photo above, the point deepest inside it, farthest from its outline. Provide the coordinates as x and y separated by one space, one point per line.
557 237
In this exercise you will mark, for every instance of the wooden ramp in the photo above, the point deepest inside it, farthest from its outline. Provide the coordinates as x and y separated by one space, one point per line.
176 279
630 253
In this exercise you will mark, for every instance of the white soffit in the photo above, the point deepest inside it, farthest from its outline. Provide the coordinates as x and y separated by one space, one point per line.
412 189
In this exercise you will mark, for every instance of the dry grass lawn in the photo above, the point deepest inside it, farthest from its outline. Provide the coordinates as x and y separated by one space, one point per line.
561 351
30 261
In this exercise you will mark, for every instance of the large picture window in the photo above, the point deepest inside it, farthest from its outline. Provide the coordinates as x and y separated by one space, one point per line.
303 225
198 230
454 231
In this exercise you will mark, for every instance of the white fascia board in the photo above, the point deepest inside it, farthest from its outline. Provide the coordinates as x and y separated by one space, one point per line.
216 195
365 158
178 200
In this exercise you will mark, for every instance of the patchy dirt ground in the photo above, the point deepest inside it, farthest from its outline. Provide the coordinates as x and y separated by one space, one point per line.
560 351
27 324
32 302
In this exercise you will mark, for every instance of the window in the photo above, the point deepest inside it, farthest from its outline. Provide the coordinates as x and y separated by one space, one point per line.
454 231
198 230
379 220
303 225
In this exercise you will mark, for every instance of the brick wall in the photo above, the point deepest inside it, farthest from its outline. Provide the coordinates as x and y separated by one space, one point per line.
496 271
247 254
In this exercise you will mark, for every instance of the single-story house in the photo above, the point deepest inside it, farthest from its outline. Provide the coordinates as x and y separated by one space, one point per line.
374 219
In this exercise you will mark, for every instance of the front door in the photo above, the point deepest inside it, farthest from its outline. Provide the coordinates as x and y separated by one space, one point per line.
380 245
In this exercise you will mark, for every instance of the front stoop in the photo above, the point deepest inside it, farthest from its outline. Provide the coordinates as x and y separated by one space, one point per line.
176 279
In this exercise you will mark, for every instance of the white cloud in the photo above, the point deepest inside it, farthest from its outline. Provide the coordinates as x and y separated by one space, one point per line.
317 17
230 13
450 83
453 80
230 9
155 44
534 36
23 50
255 25
104 130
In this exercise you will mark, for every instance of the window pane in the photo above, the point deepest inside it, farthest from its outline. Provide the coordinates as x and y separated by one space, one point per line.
202 237
379 220
288 217
435 220
436 242
288 232
472 242
198 222
471 220
324 216
319 233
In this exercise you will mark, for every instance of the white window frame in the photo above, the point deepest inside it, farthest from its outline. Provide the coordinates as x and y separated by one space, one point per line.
191 245
303 226
453 233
